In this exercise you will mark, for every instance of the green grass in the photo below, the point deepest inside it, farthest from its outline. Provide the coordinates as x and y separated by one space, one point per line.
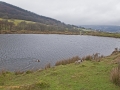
17 21
89 75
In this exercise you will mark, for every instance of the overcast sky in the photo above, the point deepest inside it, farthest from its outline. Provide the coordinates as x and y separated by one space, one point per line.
77 12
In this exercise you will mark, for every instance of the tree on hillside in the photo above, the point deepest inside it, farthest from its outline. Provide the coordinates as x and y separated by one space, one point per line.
5 25
21 25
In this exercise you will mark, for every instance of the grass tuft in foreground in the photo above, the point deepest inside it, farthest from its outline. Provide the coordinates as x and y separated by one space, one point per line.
67 61
48 66
115 75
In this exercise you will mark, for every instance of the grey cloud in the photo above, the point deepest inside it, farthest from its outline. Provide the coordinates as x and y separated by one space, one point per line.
75 11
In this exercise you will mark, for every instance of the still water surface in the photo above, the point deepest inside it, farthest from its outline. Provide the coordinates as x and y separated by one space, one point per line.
20 51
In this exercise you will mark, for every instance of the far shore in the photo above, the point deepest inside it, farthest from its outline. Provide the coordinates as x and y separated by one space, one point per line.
91 33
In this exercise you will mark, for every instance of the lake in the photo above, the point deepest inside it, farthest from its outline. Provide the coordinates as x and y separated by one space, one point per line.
21 51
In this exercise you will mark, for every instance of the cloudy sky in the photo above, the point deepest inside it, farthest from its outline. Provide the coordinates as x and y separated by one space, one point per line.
77 12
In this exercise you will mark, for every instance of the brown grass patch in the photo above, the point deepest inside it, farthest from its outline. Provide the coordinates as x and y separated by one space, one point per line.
48 66
67 61
115 75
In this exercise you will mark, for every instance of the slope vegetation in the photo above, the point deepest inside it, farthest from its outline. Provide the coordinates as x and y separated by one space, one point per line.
13 12
9 14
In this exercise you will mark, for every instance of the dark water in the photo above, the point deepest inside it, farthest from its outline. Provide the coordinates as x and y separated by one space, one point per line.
20 52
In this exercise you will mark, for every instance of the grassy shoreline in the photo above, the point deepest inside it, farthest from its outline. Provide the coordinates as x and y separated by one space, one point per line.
103 34
83 32
88 75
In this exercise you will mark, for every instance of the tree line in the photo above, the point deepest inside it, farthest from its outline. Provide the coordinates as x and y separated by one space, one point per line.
6 25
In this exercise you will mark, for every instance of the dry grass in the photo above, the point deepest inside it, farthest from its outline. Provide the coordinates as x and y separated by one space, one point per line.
89 57
29 71
48 66
95 57
2 72
18 72
67 61
116 51
115 75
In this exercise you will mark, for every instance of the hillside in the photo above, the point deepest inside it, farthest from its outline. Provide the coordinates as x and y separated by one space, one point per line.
13 12
14 19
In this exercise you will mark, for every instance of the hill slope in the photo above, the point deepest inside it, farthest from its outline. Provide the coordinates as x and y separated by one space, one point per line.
9 14
13 12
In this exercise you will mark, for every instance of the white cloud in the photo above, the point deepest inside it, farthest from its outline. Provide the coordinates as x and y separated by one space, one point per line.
75 11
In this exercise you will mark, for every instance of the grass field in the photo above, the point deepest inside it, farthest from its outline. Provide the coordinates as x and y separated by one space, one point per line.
89 75
17 21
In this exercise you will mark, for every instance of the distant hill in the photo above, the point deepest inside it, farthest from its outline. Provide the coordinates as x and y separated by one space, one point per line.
105 28
13 12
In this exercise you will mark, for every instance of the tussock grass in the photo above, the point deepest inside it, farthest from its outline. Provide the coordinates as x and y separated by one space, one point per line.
67 61
89 57
115 75
29 71
116 51
48 66
18 72
3 72
94 57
